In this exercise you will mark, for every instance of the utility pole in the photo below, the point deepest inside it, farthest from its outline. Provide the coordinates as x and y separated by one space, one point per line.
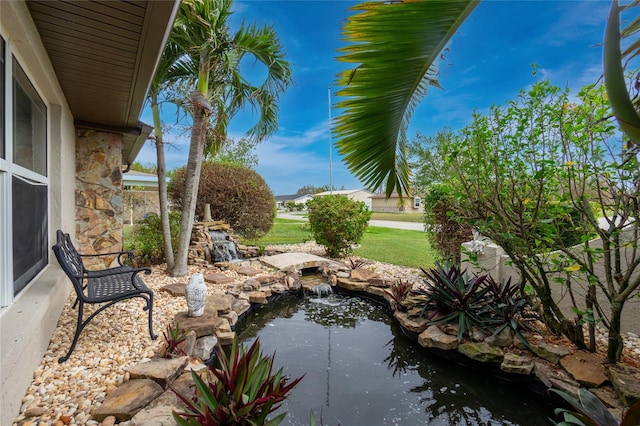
330 143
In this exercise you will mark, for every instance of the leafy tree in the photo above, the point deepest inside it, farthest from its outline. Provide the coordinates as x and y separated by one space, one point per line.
145 168
542 178
310 189
213 56
337 222
235 152
236 194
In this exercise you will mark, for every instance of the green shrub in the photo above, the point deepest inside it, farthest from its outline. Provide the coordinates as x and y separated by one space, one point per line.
237 195
146 240
337 222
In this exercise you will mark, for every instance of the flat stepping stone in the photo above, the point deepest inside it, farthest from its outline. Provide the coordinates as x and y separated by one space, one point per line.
163 371
159 412
626 381
248 271
128 398
549 352
413 324
481 351
296 260
352 285
203 325
221 303
516 363
433 337
586 368
217 278
175 290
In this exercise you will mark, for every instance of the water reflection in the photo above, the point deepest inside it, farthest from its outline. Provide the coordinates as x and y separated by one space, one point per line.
361 370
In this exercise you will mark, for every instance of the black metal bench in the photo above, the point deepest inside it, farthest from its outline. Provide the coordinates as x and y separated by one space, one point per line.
106 286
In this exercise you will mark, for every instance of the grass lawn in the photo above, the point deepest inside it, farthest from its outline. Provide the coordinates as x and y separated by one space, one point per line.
395 246
398 217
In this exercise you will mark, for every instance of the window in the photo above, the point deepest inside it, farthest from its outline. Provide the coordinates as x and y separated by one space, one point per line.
416 202
29 124
2 98
24 195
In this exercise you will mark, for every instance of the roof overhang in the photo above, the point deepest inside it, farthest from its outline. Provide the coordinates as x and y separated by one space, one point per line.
105 54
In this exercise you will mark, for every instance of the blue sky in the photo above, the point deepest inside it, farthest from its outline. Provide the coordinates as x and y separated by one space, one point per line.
489 61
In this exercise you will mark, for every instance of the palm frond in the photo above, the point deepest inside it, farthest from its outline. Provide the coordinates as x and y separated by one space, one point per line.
394 47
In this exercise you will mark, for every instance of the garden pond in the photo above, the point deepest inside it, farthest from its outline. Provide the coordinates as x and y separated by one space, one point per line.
360 369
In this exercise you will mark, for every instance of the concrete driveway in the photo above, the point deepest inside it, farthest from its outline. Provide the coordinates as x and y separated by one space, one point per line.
412 226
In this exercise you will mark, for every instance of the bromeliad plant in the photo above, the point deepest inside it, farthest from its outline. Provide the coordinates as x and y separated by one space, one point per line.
454 297
243 391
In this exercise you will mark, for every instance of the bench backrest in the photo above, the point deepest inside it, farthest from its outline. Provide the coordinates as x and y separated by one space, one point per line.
69 259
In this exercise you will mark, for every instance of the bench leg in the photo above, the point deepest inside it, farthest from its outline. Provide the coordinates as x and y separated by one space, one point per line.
150 307
79 326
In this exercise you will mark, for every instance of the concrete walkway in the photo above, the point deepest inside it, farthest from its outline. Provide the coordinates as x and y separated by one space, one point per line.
412 226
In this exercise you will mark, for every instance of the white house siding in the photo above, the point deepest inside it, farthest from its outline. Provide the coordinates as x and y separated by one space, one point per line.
353 194
28 320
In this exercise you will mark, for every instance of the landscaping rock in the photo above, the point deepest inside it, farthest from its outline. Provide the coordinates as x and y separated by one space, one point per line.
221 303
189 343
549 352
585 367
204 347
231 316
362 275
128 398
518 364
225 337
416 325
608 396
159 412
380 282
626 381
502 339
248 271
278 288
161 370
267 279
240 306
250 285
175 290
378 291
202 326
433 337
352 285
217 278
257 297
481 351
556 378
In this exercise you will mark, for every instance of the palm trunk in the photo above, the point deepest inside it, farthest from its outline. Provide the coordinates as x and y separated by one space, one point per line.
192 179
162 187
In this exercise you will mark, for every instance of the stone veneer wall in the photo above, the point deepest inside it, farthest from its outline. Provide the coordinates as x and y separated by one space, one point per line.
99 193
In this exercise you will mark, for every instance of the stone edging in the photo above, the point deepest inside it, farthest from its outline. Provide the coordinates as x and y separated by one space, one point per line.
151 401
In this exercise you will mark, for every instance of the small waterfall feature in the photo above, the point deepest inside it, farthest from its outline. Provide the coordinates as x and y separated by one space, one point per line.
222 248
321 290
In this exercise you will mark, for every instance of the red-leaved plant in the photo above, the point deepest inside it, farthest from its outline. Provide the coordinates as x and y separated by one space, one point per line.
243 391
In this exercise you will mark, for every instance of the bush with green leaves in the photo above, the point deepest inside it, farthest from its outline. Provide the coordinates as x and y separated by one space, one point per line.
236 194
243 391
146 240
337 222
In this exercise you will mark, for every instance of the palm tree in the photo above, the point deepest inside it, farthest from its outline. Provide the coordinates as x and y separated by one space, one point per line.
168 70
201 31
395 45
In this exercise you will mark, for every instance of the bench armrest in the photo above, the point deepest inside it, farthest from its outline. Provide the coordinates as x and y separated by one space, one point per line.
107 272
119 253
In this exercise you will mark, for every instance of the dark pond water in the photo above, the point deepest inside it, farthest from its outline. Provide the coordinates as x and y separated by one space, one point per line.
361 370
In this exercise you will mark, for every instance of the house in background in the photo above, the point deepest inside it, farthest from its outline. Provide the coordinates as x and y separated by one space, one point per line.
140 196
282 200
353 194
73 81
409 203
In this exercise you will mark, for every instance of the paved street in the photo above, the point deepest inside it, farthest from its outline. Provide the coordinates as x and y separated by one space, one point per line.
380 223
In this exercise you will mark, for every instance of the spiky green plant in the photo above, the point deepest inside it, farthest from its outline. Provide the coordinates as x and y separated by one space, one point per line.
243 391
454 297
398 292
